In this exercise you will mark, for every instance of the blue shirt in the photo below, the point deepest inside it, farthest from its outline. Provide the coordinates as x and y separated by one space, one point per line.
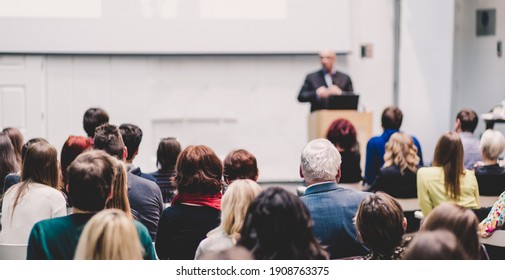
375 149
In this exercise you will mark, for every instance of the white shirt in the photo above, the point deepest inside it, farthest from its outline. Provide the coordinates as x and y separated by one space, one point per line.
40 202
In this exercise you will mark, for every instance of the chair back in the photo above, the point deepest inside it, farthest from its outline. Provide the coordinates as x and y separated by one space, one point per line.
13 251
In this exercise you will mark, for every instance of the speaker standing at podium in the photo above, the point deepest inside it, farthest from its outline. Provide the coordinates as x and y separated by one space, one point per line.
320 85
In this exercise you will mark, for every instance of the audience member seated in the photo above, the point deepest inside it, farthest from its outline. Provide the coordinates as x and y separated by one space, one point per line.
36 198
391 121
439 244
495 219
239 164
398 176
14 178
74 146
447 180
90 181
119 199
233 253
195 209
466 122
491 176
8 162
233 209
132 136
462 222
17 141
381 225
332 207
343 135
110 235
278 226
144 195
93 118
168 151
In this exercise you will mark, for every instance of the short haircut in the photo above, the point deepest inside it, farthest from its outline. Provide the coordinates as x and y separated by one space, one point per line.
90 179
107 138
492 144
392 118
379 223
198 170
468 120
320 161
240 164
439 244
343 135
93 118
132 136
168 152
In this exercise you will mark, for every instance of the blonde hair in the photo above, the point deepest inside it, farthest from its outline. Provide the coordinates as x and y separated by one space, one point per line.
401 151
109 235
234 206
119 198
492 144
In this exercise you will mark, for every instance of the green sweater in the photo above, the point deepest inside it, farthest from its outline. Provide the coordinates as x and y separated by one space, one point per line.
56 239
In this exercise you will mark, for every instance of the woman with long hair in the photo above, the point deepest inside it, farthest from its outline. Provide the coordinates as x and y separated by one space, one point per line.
278 226
35 198
447 180
398 175
74 146
195 209
169 149
17 141
109 235
119 199
8 162
234 205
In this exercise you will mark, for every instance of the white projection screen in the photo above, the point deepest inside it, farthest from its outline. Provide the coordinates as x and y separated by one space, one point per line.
173 26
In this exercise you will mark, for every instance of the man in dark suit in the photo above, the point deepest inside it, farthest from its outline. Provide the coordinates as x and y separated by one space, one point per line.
318 86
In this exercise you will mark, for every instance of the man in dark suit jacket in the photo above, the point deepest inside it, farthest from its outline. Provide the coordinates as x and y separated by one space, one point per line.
318 86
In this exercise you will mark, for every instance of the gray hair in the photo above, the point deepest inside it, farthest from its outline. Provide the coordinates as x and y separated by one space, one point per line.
320 161
492 143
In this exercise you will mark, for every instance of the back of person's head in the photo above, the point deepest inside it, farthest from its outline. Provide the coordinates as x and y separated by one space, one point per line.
119 199
468 120
460 221
234 205
28 144
392 118
17 141
198 170
168 151
90 180
401 151
492 144
132 136
278 226
93 118
240 164
435 245
8 162
449 155
41 165
108 138
109 235
380 223
343 135
233 253
74 146
320 161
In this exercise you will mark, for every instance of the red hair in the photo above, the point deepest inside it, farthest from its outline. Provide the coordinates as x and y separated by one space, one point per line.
342 134
74 146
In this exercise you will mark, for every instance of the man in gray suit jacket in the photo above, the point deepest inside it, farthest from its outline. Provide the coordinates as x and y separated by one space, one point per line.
320 85
332 207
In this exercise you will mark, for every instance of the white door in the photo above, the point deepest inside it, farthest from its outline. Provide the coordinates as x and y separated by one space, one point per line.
22 94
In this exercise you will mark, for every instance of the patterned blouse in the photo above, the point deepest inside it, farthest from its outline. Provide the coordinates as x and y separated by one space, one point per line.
495 219
395 255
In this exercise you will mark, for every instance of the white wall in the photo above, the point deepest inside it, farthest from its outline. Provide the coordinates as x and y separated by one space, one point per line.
479 73
426 67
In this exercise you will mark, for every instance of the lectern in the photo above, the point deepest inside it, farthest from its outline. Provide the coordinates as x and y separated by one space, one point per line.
320 120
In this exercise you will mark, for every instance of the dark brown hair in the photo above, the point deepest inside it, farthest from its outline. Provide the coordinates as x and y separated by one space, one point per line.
449 156
198 170
468 120
107 138
392 118
17 141
132 136
168 151
379 223
240 164
439 244
8 163
93 118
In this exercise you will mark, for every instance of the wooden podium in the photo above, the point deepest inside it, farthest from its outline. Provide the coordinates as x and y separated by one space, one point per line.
320 120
